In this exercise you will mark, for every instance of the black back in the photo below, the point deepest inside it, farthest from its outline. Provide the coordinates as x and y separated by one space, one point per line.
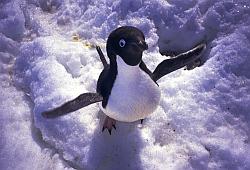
105 83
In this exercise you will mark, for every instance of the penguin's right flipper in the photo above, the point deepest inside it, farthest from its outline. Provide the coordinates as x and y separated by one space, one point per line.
102 57
81 101
181 60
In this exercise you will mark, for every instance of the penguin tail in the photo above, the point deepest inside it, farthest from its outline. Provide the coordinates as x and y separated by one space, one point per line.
102 57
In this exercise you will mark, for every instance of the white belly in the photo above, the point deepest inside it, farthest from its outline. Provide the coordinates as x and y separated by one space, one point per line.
134 94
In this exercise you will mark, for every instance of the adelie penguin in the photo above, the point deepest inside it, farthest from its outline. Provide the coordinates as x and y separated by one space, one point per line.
126 89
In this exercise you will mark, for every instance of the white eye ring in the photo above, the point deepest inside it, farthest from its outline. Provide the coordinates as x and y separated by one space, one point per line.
122 42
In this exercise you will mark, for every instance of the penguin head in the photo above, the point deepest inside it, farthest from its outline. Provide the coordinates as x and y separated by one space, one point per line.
129 43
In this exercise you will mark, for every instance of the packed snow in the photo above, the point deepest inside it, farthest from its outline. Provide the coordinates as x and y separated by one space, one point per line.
47 57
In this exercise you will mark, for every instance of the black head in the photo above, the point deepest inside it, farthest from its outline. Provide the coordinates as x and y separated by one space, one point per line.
128 42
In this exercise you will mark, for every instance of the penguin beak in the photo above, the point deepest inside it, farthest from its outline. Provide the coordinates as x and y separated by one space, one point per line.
142 45
139 46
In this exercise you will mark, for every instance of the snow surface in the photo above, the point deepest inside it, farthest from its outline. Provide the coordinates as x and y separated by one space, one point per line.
47 58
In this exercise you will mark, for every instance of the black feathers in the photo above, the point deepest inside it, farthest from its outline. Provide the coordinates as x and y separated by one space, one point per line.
127 42
102 57
170 65
73 105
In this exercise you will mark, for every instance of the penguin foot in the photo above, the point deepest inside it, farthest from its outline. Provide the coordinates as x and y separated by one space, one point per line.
109 123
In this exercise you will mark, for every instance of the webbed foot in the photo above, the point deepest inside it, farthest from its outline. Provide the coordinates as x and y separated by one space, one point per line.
109 123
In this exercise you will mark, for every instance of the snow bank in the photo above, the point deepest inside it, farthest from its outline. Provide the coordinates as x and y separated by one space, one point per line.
21 145
203 119
12 21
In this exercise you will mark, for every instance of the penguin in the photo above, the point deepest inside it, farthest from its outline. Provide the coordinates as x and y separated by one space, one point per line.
127 90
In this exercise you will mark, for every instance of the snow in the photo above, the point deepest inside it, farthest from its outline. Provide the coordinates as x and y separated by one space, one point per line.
47 58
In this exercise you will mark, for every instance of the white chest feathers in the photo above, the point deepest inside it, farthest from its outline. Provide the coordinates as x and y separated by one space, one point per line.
134 94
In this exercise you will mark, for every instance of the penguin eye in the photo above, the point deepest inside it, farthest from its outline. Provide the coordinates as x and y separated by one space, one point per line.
122 42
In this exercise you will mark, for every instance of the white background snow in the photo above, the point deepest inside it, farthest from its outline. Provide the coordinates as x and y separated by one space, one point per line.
46 58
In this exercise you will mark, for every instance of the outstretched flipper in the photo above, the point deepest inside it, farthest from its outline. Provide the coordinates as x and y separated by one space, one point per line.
181 60
73 105
102 57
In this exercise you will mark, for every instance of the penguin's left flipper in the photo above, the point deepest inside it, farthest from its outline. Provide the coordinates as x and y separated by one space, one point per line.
181 60
81 101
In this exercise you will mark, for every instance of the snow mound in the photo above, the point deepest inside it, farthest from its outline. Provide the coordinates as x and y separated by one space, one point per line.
21 146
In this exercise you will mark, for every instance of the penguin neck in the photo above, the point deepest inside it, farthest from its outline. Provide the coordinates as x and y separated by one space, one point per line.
124 70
